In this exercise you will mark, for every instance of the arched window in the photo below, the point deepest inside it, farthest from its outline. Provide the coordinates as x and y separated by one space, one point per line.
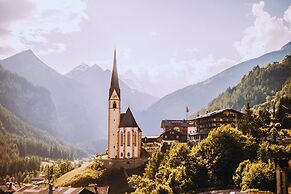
114 104
128 154
134 138
128 138
121 138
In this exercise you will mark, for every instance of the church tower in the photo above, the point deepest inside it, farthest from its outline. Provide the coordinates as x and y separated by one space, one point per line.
113 112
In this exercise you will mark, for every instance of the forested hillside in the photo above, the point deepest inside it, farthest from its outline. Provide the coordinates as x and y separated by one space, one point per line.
254 88
80 97
21 139
199 95
22 146
31 103
27 118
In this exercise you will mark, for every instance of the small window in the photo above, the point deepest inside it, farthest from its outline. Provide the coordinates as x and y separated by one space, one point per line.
121 138
128 154
121 154
128 138
134 138
114 104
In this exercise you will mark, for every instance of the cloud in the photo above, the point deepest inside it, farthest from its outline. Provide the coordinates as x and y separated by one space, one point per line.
55 48
174 75
33 21
266 34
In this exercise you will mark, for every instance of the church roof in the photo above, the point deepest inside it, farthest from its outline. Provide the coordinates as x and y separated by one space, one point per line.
127 120
114 78
121 116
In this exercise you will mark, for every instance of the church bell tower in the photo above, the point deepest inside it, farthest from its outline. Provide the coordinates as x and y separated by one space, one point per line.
113 112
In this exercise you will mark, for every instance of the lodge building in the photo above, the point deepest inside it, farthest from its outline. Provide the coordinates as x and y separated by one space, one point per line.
209 121
198 128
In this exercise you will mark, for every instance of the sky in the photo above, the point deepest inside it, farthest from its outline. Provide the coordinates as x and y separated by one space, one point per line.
162 45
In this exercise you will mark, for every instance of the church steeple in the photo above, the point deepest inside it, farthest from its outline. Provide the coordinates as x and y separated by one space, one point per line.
114 78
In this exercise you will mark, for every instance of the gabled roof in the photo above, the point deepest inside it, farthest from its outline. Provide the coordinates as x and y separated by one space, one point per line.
114 78
218 112
174 123
128 120
62 190
121 116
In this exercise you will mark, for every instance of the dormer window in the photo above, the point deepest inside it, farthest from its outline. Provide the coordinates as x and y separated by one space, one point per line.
114 104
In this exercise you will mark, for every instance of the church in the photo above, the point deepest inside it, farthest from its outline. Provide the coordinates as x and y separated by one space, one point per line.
124 134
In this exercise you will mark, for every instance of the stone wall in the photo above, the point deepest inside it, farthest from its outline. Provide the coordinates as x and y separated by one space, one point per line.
117 164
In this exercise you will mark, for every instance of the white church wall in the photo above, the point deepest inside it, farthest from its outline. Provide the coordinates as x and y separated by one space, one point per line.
114 119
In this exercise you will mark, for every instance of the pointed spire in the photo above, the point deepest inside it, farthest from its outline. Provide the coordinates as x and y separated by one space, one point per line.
114 78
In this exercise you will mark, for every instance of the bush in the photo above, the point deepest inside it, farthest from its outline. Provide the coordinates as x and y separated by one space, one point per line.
222 151
178 171
258 175
239 173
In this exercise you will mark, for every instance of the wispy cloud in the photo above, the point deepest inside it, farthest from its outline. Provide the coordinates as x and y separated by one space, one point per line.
266 34
32 22
173 75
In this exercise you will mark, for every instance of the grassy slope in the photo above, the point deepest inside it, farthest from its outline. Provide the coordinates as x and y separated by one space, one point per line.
86 175
83 176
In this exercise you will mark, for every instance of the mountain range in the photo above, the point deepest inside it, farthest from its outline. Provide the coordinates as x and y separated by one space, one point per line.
197 96
30 103
79 97
257 87
24 130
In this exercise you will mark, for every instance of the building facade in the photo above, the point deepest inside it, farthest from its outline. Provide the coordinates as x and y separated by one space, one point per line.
124 134
178 125
198 128
208 122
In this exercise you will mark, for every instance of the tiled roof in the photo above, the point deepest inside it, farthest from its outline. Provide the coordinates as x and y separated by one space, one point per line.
62 190
217 112
182 123
128 120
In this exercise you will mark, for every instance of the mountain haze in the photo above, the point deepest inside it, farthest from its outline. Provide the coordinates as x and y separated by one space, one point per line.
197 96
19 139
80 97
66 93
30 103
255 87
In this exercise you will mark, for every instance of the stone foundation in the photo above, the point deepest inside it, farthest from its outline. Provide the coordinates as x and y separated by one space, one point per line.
117 164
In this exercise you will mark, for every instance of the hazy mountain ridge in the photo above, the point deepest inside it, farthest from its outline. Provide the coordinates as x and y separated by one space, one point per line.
197 96
30 103
28 121
66 93
97 81
18 139
80 96
255 87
